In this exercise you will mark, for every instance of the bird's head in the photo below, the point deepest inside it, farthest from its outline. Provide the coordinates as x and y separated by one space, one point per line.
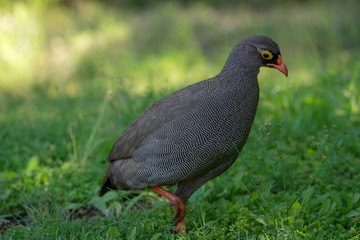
258 51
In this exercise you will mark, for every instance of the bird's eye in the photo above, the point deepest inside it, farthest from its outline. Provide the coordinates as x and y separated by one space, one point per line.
265 54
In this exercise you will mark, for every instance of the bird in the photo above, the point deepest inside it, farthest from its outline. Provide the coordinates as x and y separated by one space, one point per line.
193 134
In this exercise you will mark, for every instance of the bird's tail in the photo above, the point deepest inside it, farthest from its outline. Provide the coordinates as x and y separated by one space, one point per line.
106 183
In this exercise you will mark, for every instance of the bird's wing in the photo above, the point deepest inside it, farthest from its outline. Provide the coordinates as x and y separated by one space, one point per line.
165 110
188 146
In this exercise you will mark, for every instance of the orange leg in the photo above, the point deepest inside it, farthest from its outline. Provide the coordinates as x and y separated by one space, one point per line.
177 203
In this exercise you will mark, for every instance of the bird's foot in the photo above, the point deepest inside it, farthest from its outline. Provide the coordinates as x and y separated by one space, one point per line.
177 203
180 227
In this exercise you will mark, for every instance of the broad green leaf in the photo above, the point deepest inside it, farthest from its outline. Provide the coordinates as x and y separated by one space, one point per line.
295 208
308 195
353 213
32 164
332 209
325 206
131 203
335 197
100 202
3 218
118 208
321 198
355 199
70 205
112 232
4 195
222 206
263 219
156 236
132 235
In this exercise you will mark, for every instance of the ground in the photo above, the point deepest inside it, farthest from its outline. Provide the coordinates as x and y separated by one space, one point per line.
74 76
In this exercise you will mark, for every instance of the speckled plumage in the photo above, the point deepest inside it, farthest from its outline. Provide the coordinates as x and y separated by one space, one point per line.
195 133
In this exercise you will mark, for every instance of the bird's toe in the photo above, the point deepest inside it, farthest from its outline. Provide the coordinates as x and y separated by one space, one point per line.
180 227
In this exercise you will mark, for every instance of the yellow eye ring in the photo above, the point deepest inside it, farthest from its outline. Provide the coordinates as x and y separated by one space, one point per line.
265 54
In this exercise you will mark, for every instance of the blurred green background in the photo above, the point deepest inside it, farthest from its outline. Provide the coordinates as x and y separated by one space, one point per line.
75 74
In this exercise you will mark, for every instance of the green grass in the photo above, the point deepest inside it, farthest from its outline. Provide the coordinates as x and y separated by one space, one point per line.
72 80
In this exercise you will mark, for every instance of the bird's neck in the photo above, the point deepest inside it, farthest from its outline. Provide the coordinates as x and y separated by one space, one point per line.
237 64
235 72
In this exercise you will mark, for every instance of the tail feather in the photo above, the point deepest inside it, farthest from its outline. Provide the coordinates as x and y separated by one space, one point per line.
106 183
118 175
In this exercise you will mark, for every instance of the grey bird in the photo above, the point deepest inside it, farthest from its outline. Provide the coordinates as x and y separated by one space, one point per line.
194 134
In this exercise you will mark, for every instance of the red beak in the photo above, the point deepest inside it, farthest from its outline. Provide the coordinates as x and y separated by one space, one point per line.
279 66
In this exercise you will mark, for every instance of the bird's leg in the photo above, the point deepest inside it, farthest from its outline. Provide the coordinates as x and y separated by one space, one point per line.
177 203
